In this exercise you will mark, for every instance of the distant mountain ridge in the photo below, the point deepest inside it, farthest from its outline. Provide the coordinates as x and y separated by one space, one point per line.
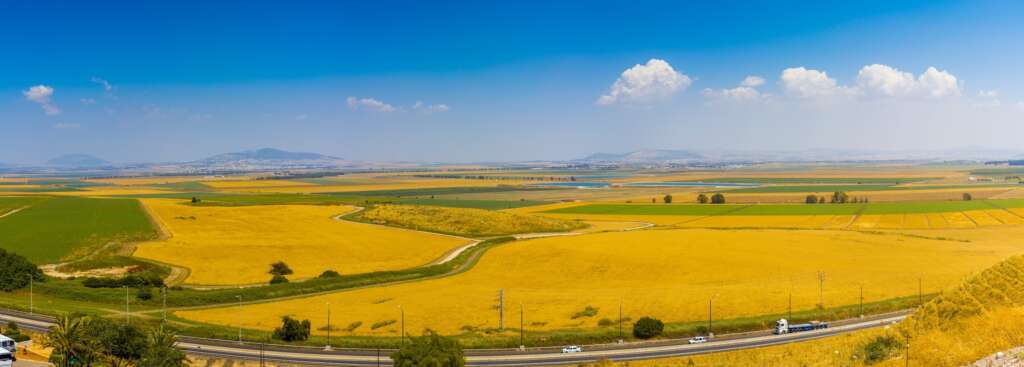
645 156
268 154
77 161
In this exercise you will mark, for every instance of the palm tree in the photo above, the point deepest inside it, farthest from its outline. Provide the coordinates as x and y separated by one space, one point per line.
69 342
161 351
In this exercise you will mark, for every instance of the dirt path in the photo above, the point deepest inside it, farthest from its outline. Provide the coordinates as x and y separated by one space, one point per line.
13 211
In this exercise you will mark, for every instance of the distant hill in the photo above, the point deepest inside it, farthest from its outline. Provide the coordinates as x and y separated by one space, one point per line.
77 161
267 154
645 156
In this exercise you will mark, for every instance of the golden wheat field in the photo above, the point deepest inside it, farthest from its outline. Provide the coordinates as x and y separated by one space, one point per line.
224 184
464 221
669 274
236 245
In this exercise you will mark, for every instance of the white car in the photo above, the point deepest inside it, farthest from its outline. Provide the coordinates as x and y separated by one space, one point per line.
572 349
698 340
6 358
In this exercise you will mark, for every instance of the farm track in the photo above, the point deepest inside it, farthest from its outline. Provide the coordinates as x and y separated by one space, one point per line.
13 211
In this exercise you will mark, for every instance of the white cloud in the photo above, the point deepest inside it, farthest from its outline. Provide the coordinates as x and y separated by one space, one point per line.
41 94
886 81
428 109
64 125
369 103
106 85
809 83
648 83
752 81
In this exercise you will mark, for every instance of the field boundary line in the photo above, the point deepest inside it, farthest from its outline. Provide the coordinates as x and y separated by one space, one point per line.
179 274
713 215
994 205
976 225
13 211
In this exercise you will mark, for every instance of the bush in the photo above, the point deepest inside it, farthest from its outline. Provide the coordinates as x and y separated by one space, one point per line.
811 199
329 274
589 311
132 280
968 197
605 322
292 330
144 294
430 350
15 271
881 348
278 279
668 199
718 199
703 199
648 327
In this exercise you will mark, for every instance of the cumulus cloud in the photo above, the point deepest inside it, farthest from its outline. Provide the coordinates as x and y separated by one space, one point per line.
369 104
886 81
41 94
107 87
809 83
431 108
647 83
752 81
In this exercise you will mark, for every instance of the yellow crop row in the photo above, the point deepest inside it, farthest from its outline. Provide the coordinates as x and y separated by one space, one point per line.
669 274
236 245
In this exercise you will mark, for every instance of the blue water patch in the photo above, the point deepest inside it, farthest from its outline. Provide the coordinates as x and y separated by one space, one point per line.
578 185
690 184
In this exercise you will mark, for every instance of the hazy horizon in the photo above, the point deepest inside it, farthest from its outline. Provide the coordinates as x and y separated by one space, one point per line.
475 82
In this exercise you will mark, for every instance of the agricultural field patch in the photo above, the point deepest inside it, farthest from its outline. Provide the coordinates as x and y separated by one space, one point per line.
668 274
464 221
55 228
475 204
236 244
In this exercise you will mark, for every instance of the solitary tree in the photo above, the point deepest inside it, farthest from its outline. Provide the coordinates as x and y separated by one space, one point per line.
811 199
668 199
702 198
647 327
718 199
280 268
430 350
968 197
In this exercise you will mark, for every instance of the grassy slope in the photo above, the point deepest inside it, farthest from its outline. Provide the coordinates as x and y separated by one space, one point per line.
792 209
55 228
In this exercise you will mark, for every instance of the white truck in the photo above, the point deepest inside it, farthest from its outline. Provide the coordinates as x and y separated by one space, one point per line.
784 327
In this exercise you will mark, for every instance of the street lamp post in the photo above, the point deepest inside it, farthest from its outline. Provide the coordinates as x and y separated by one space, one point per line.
328 326
522 328
239 318
31 302
710 333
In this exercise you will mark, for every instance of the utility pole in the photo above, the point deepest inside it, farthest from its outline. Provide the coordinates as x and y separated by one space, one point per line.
126 305
163 308
821 288
620 320
31 301
501 310
522 328
710 333
862 300
239 318
920 299
790 319
328 326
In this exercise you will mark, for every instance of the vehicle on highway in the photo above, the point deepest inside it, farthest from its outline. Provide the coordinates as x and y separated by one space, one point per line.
6 358
572 349
783 327
698 340
8 344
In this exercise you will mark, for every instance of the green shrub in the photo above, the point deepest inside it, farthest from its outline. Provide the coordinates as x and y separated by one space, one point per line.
330 274
881 348
15 270
590 311
278 279
648 327
144 294
292 330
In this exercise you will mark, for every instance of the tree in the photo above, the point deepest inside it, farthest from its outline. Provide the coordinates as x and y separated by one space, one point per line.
144 293
16 271
118 344
840 197
968 197
292 330
668 199
718 199
69 342
161 351
278 279
811 199
280 268
647 327
330 274
430 350
821 200
702 198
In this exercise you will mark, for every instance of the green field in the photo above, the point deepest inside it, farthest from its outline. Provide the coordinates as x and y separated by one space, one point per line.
476 204
817 180
848 188
8 203
439 191
998 171
791 209
52 229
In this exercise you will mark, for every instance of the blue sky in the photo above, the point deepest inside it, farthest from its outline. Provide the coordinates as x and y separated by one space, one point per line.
144 81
